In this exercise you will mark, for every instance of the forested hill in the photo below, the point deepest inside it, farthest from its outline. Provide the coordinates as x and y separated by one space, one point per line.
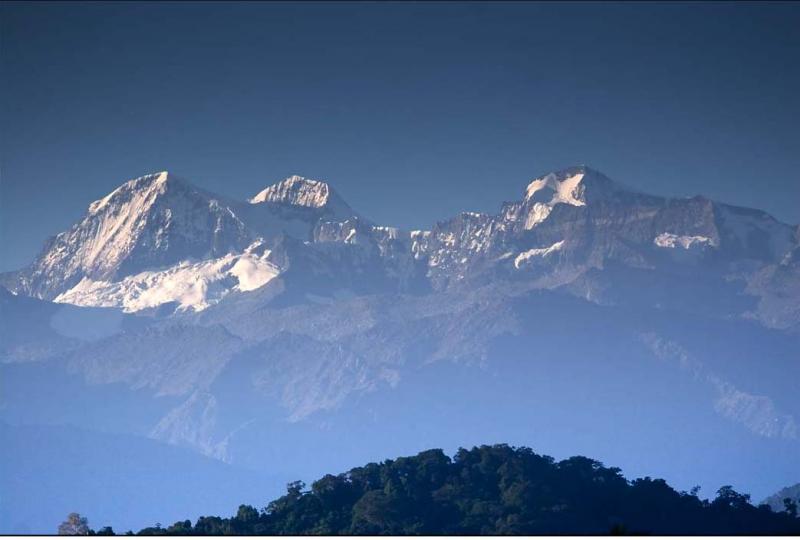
492 490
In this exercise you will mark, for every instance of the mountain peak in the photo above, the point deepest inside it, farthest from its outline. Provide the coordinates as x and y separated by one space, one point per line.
151 221
574 186
568 186
557 187
297 191
148 180
154 182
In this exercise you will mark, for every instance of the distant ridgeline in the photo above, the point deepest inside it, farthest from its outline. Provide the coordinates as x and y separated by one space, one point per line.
492 490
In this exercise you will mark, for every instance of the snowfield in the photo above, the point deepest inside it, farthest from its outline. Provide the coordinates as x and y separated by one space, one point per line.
525 256
192 285
669 240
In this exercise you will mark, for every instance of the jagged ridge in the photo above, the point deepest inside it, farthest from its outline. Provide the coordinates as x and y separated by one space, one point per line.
566 223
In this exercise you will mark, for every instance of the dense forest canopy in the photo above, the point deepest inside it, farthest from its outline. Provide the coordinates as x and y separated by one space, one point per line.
492 490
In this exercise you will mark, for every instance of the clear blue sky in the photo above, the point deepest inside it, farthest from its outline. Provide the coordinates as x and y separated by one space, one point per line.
412 111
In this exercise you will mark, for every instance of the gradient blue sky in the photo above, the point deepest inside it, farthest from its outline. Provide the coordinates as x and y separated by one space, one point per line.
413 112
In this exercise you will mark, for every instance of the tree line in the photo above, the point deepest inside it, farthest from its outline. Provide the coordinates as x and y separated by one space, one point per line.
494 490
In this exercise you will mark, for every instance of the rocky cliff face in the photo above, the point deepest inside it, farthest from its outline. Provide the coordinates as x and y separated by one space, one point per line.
150 222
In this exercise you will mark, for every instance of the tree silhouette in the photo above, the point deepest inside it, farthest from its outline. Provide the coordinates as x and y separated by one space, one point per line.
74 525
493 490
790 506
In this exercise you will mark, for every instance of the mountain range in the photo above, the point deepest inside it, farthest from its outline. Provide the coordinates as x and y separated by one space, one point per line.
656 333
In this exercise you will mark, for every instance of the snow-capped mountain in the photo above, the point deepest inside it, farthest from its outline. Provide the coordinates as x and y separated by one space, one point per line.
158 240
296 258
149 222
297 191
290 323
